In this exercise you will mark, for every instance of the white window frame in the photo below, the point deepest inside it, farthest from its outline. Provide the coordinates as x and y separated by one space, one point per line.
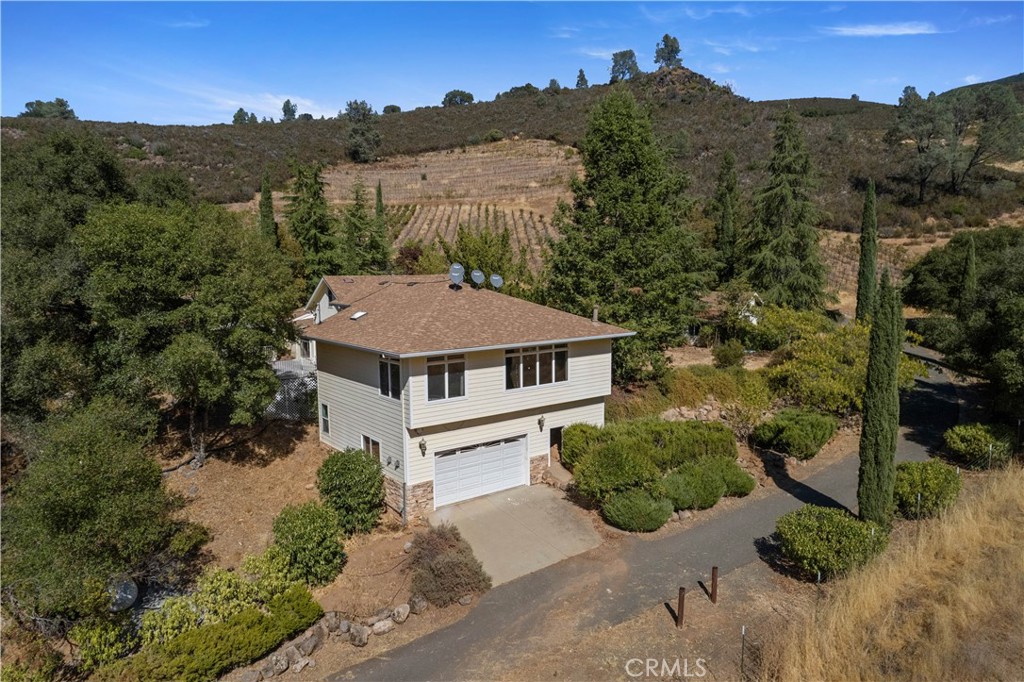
372 446
325 419
393 365
446 361
305 348
536 351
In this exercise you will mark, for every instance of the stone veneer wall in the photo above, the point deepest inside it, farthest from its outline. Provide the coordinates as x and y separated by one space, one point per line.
538 465
420 499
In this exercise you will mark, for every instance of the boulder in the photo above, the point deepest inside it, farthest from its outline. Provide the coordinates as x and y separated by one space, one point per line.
407 548
310 642
685 514
466 599
250 676
417 604
332 621
301 664
268 671
279 662
400 613
383 627
291 654
343 627
359 635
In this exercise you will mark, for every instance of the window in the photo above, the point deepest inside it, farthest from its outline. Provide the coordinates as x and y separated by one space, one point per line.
325 420
371 446
536 366
390 377
305 348
446 377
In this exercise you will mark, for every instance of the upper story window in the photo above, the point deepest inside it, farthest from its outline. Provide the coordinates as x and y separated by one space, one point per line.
536 366
446 377
390 377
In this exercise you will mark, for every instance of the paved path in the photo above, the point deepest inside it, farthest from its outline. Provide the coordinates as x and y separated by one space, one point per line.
646 572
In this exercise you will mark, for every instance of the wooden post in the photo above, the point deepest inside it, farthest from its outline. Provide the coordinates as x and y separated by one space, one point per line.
680 606
714 584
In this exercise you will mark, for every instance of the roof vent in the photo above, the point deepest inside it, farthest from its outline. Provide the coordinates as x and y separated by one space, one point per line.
357 315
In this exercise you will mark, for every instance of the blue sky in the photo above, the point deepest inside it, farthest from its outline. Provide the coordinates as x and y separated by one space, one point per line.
196 63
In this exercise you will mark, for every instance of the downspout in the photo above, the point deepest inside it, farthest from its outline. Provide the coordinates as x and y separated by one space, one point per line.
405 455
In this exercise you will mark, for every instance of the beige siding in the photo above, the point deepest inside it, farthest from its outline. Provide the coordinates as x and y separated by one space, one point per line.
421 467
590 371
348 383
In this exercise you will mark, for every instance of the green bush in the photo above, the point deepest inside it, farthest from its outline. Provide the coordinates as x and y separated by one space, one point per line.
352 484
444 567
728 354
937 483
175 616
689 441
778 326
636 510
830 541
578 440
101 642
188 539
694 486
738 483
976 445
270 572
613 467
221 594
796 431
308 535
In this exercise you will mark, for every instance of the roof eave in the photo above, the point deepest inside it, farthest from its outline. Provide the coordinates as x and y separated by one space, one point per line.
472 349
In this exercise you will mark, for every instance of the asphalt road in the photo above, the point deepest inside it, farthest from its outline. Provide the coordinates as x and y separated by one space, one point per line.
645 572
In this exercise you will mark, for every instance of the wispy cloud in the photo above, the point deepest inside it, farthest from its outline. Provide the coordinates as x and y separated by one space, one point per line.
718 68
733 46
971 79
706 12
832 9
188 23
599 52
906 28
564 32
989 21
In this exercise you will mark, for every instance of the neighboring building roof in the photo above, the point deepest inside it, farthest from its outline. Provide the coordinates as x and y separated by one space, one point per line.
302 318
412 315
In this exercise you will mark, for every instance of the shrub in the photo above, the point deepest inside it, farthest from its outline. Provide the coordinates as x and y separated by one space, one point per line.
308 536
577 441
352 484
738 483
636 510
444 567
830 541
688 441
976 445
778 326
188 539
221 594
613 467
270 572
177 615
695 486
797 432
728 354
684 388
101 642
938 485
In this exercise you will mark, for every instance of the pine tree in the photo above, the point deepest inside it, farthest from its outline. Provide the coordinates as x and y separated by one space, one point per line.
780 253
867 283
268 226
581 81
313 225
365 236
881 408
969 281
724 208
624 246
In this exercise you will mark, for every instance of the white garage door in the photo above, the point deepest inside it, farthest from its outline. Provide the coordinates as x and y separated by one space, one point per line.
479 470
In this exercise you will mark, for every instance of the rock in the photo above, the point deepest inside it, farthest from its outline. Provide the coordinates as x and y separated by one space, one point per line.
383 627
193 490
684 514
302 664
359 635
407 548
344 627
417 604
279 662
400 613
291 654
466 599
268 671
251 676
309 486
332 621
310 643
383 613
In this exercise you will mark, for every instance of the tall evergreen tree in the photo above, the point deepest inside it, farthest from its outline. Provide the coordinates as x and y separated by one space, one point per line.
268 226
314 226
724 209
666 53
881 408
867 282
365 236
581 81
969 282
624 246
780 253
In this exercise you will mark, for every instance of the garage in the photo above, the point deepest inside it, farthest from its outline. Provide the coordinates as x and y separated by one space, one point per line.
481 469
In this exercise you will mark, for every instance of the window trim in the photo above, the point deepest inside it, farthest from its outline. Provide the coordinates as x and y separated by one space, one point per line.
368 443
392 365
325 419
445 361
518 356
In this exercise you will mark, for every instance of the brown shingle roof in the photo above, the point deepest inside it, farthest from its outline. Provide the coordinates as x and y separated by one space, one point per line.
414 315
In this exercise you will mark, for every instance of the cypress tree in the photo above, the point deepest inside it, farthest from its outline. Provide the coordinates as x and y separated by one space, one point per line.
366 237
867 284
780 253
268 226
969 280
724 207
313 225
876 477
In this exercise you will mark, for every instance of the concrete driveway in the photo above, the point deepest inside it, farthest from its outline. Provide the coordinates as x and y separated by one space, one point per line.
522 530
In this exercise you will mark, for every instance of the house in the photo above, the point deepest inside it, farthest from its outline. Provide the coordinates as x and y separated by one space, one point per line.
459 391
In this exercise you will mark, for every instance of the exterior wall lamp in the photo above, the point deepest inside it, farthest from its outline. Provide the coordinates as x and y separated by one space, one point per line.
423 446
540 422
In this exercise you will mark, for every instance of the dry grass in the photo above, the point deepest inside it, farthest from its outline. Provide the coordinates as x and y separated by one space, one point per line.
944 605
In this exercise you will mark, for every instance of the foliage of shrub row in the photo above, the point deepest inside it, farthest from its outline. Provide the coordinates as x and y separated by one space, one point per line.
728 354
826 540
699 485
938 485
206 652
975 445
352 484
101 642
636 510
796 431
443 566
577 440
308 534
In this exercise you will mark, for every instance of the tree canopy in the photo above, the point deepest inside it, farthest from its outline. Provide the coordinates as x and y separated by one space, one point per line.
57 108
867 283
624 66
314 226
581 81
455 98
666 53
288 111
624 246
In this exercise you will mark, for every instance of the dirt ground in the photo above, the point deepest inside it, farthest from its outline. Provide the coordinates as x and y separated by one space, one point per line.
684 356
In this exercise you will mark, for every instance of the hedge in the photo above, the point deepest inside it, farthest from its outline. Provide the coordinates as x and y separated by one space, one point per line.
796 431
636 510
694 486
938 485
615 467
978 445
827 540
578 440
